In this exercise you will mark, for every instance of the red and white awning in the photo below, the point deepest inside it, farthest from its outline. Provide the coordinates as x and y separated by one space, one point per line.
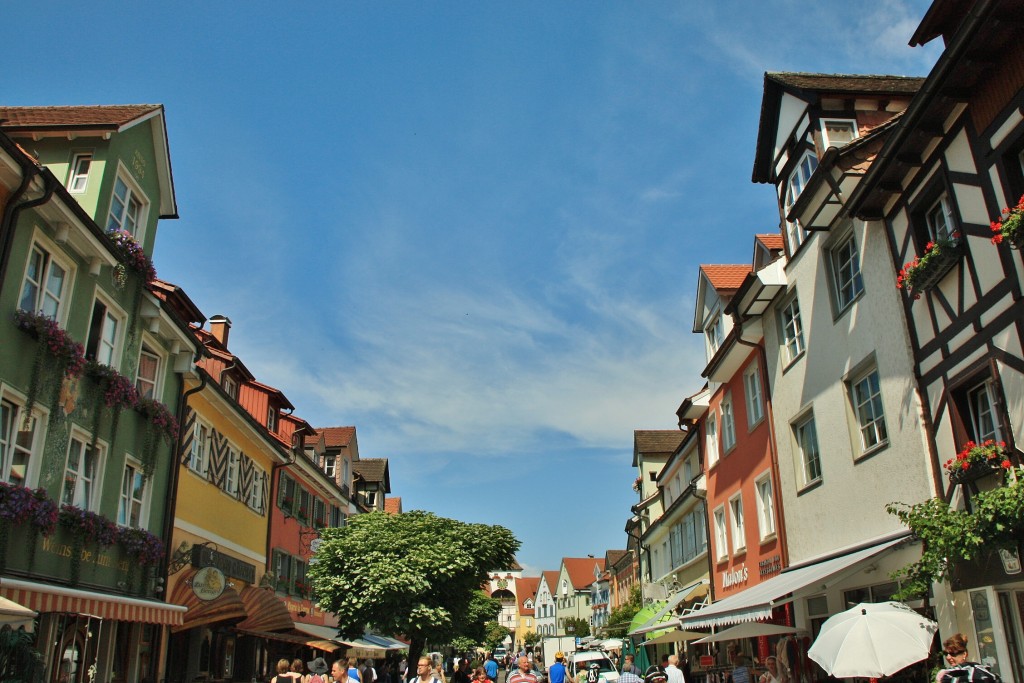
46 598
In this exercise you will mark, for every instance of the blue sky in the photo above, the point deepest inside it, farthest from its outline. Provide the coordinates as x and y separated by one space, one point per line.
471 229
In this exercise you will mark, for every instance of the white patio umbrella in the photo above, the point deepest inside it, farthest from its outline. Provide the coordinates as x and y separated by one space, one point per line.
14 615
872 640
611 644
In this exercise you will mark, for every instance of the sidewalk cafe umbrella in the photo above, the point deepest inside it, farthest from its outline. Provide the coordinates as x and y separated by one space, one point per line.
872 640
14 615
749 630
675 637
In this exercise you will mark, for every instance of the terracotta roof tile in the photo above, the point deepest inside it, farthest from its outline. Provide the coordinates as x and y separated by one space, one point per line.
526 589
333 436
847 83
581 570
552 580
657 440
772 240
393 505
104 116
725 277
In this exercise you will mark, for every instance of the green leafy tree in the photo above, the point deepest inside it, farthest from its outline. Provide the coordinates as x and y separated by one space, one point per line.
495 634
531 638
413 574
577 627
622 616
463 644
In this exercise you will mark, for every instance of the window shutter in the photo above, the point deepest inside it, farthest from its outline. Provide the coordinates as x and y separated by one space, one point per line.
282 490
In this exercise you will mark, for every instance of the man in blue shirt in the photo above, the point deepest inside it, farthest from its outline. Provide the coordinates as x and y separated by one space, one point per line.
491 667
557 672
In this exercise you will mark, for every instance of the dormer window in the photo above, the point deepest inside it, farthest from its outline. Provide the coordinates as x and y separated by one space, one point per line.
715 333
271 419
838 132
795 233
230 386
78 176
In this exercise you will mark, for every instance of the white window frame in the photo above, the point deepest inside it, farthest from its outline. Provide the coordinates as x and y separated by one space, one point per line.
982 406
711 437
230 386
271 419
715 334
765 506
125 497
78 180
89 501
845 273
721 534
148 347
791 329
795 185
103 343
851 123
9 446
810 463
940 220
51 255
257 495
753 394
728 411
199 457
737 523
868 410
114 223
231 474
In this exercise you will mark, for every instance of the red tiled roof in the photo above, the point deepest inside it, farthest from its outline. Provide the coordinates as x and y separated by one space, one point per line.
393 506
526 589
772 240
725 277
104 116
581 570
333 436
552 580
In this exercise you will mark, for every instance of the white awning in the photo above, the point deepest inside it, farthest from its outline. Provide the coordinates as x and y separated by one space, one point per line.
756 603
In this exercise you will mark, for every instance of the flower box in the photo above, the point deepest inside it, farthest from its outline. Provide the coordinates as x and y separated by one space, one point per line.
975 461
925 272
1010 226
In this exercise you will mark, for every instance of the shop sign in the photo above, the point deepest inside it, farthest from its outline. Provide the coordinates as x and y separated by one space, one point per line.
204 556
771 565
734 576
208 583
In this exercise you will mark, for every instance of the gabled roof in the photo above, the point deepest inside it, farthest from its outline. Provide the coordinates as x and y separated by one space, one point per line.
551 579
725 278
526 589
373 470
393 505
771 240
581 570
100 119
810 87
114 117
273 391
333 436
655 441
613 557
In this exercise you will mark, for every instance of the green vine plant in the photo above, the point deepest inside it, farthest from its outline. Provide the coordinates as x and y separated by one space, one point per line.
949 535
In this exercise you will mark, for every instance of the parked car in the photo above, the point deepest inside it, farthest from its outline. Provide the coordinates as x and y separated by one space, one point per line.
582 660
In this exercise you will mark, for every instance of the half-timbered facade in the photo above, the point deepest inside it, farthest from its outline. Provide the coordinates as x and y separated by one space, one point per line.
950 165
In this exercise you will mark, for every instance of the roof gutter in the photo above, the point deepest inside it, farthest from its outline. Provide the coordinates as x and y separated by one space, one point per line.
15 207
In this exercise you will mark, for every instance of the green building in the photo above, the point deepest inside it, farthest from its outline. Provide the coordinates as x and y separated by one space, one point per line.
91 363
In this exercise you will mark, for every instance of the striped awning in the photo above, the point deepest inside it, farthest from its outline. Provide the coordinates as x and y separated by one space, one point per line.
266 611
228 607
295 638
44 598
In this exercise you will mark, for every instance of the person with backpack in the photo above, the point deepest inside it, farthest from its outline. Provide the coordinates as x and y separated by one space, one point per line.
960 670
317 670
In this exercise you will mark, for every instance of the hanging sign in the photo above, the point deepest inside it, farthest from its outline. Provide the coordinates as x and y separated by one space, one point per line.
208 583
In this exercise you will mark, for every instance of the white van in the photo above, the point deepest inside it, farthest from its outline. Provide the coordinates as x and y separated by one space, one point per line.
582 660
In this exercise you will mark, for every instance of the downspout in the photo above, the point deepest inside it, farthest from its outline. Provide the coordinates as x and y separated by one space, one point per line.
14 209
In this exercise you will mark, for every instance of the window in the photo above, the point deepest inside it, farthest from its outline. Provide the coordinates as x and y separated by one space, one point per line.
847 283
45 286
739 536
939 219
983 416
231 474
17 443
271 419
721 537
133 490
78 174
817 612
230 386
675 542
256 492
807 443
305 506
80 474
715 333
104 334
792 329
125 207
148 374
319 513
765 507
838 132
795 233
688 470
866 397
370 497
282 563
728 424
199 455
752 394
711 429
330 463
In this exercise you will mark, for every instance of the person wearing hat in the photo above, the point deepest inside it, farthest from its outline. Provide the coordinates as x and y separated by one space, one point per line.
557 672
317 670
655 674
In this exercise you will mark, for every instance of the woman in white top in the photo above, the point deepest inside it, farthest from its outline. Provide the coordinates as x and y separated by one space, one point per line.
774 673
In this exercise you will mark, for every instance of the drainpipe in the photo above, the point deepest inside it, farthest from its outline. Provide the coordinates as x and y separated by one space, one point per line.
14 209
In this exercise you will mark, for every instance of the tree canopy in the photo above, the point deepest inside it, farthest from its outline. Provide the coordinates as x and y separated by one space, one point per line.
413 574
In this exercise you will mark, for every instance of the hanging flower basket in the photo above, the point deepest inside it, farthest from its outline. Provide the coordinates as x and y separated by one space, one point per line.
925 272
131 254
114 391
1009 227
66 356
144 547
160 426
977 460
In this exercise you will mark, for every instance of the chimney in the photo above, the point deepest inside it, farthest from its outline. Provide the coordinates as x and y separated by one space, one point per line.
220 326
